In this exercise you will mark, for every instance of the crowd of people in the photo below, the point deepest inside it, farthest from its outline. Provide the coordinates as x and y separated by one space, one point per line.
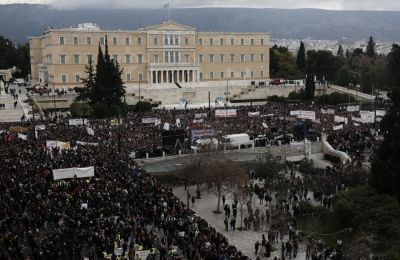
123 210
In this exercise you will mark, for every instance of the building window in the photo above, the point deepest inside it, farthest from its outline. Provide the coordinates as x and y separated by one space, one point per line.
62 40
232 74
261 57
127 58
222 74
211 57
140 58
127 41
252 41
128 77
139 41
166 57
186 41
201 75
171 57
252 57
76 59
211 75
187 58
140 76
115 58
176 57
62 59
201 58
156 59
114 40
232 57
89 58
241 41
200 41
242 74
77 78
165 39
211 41
222 57
262 42
232 41
102 40
171 40
241 57
262 74
75 40
221 41
89 40
252 74
155 41
63 78
176 40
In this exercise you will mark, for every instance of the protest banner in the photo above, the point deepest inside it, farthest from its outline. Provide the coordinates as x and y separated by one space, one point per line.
78 121
69 173
200 115
353 108
89 131
341 119
253 114
306 114
23 137
337 127
225 113
328 111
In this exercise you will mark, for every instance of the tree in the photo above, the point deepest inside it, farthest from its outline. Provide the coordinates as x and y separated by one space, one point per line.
343 77
340 52
385 170
283 64
394 63
89 83
371 48
301 57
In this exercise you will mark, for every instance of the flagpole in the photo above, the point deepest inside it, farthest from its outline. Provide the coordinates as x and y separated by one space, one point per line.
169 11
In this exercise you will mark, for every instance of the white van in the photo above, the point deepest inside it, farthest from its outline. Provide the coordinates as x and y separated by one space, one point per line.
236 140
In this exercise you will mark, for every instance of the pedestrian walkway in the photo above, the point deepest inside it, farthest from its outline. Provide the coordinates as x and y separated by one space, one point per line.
243 240
10 113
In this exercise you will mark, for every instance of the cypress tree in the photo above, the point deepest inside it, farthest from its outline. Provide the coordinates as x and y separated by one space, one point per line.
371 48
340 51
301 57
310 84
98 89
89 83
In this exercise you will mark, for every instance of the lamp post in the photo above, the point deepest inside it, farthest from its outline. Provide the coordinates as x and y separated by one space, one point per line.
227 93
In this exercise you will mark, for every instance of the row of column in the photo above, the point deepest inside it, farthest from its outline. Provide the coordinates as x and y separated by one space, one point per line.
172 76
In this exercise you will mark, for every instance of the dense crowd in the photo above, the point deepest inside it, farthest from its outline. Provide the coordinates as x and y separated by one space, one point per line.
123 209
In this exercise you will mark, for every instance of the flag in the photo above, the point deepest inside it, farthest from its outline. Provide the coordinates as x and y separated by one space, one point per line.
23 137
89 131
166 5
166 126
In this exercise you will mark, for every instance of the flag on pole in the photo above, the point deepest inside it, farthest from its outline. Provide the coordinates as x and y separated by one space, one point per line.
166 5
89 131
23 137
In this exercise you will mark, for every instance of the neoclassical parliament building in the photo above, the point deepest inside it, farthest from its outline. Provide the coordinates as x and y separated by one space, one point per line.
164 53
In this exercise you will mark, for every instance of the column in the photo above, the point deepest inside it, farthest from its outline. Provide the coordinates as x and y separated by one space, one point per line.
173 76
198 75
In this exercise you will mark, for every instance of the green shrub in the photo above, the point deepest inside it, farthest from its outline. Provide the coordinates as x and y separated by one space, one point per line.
81 110
143 106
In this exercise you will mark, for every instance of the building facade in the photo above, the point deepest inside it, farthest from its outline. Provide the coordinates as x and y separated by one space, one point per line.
165 53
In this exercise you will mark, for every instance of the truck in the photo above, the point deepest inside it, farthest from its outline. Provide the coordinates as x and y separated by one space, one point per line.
236 141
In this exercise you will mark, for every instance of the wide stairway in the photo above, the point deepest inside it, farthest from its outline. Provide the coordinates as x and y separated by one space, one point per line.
9 113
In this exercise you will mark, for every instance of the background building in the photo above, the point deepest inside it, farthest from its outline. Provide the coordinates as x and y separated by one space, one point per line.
159 54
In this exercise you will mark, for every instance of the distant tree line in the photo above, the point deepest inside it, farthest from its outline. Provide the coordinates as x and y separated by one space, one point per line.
367 69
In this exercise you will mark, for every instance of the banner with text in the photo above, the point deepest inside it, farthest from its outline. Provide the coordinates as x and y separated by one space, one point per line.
78 121
225 113
353 108
199 133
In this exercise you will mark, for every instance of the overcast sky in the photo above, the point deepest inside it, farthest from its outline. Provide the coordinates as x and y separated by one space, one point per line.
389 5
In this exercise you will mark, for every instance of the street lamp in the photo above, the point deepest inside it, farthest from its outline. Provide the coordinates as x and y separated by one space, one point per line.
227 93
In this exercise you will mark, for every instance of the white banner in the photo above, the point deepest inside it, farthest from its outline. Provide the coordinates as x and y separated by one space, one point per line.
149 120
253 114
166 126
380 113
61 145
367 116
23 137
200 115
89 131
306 114
337 127
353 108
86 143
196 121
143 254
69 173
225 113
328 111
79 121
341 119
294 113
